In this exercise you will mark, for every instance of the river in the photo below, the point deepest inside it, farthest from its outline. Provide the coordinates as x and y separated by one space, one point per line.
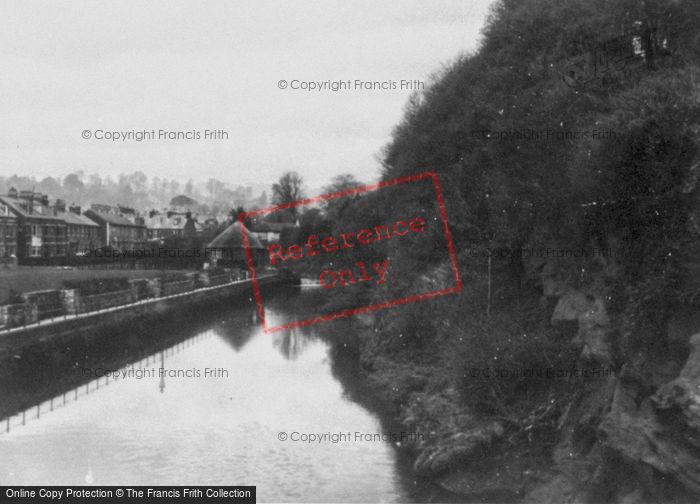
245 423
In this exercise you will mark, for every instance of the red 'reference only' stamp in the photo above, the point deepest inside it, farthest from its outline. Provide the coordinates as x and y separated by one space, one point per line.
335 247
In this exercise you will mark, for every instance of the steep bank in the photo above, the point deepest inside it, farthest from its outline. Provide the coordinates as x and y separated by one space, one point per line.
566 369
622 431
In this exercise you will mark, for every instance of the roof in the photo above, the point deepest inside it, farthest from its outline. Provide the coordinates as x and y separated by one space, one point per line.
116 220
231 238
16 206
162 221
9 215
74 218
175 221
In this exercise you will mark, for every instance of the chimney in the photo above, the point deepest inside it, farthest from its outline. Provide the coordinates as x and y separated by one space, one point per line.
60 205
44 198
29 196
75 209
12 193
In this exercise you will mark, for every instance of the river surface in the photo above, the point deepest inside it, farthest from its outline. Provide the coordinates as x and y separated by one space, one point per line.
243 425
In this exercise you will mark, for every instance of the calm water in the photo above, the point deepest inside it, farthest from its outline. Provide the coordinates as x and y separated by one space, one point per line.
219 430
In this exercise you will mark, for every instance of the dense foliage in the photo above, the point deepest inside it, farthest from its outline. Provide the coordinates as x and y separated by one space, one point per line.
632 186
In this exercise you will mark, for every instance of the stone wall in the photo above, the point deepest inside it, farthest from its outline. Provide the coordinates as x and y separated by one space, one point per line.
15 315
171 288
140 289
155 286
49 303
40 305
12 342
106 300
207 279
71 301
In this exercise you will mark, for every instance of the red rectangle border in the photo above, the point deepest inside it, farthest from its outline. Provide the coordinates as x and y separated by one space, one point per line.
365 309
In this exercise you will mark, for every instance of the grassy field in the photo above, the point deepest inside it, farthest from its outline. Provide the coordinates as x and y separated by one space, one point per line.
26 279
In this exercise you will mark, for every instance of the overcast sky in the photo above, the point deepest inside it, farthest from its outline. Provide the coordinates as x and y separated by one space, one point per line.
191 66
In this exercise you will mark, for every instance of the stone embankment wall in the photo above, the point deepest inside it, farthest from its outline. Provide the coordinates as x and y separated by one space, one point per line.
144 313
50 304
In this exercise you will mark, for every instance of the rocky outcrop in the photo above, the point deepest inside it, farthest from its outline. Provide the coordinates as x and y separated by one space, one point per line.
593 324
628 437
582 309
660 431
457 448
683 393
502 477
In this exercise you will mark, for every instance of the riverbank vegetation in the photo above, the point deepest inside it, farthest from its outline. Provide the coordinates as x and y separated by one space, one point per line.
573 196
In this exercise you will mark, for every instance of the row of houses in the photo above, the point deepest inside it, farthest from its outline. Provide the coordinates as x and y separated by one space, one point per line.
36 232
32 229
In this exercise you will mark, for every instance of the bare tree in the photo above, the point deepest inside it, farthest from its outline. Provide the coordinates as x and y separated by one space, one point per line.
288 189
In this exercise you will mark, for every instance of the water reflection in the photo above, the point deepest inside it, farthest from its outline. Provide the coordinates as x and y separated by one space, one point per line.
290 342
236 332
161 386
194 426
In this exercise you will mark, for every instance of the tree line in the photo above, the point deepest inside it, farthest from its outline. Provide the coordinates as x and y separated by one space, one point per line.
137 190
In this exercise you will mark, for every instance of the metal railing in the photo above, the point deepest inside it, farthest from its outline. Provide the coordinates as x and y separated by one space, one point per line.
67 316
36 411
